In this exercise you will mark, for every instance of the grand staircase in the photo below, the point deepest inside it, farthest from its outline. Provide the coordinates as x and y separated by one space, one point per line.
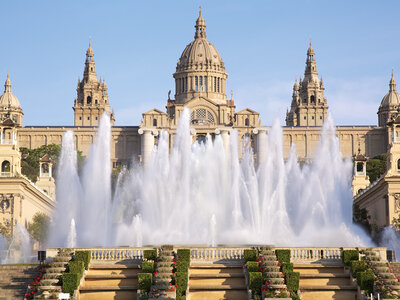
320 282
217 281
113 281
14 280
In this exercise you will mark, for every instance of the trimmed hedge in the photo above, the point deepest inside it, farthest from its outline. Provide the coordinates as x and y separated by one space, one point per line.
255 281
83 256
181 275
70 282
145 280
150 254
283 255
357 266
348 256
250 255
252 266
76 267
366 281
286 268
292 281
147 266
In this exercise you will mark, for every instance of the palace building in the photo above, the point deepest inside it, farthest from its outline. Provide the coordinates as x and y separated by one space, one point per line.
200 85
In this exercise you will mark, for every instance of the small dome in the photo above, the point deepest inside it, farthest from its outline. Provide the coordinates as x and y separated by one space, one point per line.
8 99
392 98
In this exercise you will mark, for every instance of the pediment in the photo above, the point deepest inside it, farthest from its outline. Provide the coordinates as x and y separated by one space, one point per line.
201 101
154 111
247 111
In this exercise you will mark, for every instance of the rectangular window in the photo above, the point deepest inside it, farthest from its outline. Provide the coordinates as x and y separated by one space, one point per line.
218 85
215 84
80 118
88 118
205 83
196 83
186 84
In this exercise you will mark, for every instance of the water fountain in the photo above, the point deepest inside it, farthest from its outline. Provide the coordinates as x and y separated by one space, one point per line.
71 239
199 194
20 248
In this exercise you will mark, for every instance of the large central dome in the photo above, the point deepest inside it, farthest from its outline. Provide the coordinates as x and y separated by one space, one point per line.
200 69
200 54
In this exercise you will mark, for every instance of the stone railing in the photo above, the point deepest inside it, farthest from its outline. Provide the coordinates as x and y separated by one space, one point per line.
315 254
116 254
216 253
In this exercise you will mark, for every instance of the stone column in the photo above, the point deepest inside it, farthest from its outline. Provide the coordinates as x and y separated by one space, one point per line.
261 150
147 143
224 132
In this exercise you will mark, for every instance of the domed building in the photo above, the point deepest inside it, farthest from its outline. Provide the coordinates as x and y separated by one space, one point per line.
10 108
200 85
390 104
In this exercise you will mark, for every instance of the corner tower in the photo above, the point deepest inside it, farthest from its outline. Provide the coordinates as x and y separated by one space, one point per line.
309 106
92 97
10 108
200 69
389 105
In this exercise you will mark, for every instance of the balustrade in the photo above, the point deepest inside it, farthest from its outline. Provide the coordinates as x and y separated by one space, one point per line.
216 253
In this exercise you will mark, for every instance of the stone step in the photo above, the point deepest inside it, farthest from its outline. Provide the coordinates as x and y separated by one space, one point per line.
216 287
113 267
325 275
110 282
328 288
216 275
110 276
108 288
217 295
304 282
215 266
329 295
107 295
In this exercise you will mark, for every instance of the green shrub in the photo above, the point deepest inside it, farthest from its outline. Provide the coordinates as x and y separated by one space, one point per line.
70 282
366 281
150 254
357 266
292 281
286 268
348 256
250 255
83 256
252 266
283 255
294 296
255 281
181 279
76 267
147 266
183 254
145 281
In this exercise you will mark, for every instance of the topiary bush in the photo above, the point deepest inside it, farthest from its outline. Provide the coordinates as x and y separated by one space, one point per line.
250 255
252 266
357 266
150 254
283 255
83 256
145 281
76 267
348 256
286 268
255 281
70 282
147 266
366 281
181 275
292 280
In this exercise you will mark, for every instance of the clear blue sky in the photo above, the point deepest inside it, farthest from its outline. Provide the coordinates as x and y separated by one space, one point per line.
137 44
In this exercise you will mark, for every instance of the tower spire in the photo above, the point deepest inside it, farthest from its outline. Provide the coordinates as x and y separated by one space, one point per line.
311 66
89 74
7 84
392 83
200 27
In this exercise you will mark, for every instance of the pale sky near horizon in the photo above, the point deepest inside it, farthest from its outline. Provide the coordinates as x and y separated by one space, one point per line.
137 44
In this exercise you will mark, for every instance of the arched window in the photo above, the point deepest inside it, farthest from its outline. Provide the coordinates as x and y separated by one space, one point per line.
201 83
218 85
95 101
360 167
205 84
154 122
45 168
246 122
89 100
312 99
398 164
196 83
201 138
215 84
186 84
5 168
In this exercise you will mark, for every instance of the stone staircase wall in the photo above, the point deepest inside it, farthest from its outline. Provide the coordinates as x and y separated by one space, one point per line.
14 280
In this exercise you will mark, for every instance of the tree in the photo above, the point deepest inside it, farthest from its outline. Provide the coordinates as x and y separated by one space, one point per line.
39 227
30 165
361 217
5 230
376 166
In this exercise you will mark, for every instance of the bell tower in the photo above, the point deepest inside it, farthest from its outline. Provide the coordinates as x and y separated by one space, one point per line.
92 96
309 106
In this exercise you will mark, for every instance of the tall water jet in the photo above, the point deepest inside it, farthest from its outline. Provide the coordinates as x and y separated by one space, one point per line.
71 239
3 248
20 248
